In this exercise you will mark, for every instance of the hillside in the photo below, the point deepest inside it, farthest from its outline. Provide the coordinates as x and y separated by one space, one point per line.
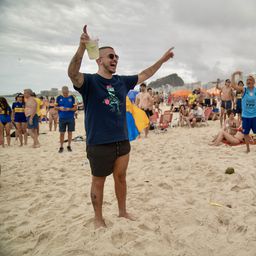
173 80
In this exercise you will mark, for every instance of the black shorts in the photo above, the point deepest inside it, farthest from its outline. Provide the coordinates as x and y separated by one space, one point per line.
239 106
148 112
68 124
102 157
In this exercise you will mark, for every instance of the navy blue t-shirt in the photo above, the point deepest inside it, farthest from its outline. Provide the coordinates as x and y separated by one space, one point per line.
19 110
105 107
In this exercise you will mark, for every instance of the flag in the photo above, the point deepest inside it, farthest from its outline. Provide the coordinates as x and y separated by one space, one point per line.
136 119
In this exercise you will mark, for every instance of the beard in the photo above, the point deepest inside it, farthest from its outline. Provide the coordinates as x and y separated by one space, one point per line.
109 69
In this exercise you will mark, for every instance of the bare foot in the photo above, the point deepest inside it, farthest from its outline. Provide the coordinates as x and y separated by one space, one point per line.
127 216
36 146
99 224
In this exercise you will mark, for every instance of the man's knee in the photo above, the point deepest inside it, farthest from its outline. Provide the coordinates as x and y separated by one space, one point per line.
98 181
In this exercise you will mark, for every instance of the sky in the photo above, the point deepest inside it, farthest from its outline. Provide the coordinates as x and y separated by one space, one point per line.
38 38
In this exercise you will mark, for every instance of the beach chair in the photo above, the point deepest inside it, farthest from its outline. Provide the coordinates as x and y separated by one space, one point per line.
154 121
205 118
165 120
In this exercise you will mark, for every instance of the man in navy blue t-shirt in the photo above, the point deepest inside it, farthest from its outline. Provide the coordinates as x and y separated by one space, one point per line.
104 96
66 105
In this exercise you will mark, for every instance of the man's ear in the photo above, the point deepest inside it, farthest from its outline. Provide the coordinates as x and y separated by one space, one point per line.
98 61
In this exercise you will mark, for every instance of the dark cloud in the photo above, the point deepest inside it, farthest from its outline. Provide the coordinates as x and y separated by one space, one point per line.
211 38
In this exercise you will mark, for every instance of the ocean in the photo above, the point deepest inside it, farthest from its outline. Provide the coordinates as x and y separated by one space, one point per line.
10 100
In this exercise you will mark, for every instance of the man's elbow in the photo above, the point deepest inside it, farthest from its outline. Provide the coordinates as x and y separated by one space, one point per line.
71 74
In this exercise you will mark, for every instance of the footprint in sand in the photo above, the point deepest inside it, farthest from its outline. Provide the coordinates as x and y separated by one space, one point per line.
144 227
165 186
42 237
35 209
120 237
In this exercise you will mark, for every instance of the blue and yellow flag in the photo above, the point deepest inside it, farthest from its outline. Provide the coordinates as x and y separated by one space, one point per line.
136 118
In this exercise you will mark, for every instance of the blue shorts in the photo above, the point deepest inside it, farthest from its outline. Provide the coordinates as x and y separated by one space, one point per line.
226 104
248 124
34 124
66 123
20 119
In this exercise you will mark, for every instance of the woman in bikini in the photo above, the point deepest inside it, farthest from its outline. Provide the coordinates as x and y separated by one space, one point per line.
232 139
231 124
184 116
231 132
53 114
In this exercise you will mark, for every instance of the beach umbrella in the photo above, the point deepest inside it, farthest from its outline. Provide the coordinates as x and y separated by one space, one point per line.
181 93
214 91
136 119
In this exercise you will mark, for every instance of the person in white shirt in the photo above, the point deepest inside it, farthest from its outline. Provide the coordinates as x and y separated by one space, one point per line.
198 114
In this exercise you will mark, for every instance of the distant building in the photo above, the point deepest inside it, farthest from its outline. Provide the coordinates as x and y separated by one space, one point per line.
53 92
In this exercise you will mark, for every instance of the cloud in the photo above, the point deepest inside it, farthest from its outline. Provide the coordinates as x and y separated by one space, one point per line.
39 38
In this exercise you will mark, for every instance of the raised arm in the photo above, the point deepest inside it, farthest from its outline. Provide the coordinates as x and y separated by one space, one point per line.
77 77
234 84
147 73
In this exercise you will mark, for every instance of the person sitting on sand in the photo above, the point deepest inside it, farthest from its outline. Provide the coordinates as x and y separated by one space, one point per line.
231 123
231 139
184 116
197 114
215 109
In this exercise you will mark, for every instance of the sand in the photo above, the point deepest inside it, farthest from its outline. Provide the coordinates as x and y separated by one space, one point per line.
184 202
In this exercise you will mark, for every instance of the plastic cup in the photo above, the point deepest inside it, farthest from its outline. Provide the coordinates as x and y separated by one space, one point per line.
93 49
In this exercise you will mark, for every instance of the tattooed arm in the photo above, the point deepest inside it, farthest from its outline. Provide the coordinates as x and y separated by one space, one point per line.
77 77
147 73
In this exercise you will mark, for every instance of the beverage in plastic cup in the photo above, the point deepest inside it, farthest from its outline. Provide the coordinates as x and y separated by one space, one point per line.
93 49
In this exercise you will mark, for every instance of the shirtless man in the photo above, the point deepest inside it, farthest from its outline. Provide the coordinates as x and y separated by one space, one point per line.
32 117
145 102
151 105
226 95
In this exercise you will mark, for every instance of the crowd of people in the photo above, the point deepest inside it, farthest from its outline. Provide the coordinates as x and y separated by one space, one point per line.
28 111
233 104
104 95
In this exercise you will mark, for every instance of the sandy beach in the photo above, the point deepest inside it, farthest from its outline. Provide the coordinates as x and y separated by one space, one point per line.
184 202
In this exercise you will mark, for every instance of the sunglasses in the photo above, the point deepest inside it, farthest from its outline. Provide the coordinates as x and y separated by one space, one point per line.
112 56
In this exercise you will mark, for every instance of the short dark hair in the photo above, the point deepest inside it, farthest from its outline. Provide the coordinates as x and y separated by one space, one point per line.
106 47
143 85
241 82
149 89
230 111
